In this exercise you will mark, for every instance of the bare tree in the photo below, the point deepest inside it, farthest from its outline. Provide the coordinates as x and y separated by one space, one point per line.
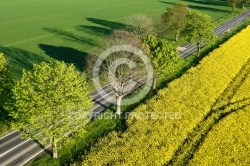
140 25
123 70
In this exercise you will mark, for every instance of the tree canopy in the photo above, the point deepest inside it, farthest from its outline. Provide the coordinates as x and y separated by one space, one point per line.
163 55
51 101
174 18
6 81
199 29
122 69
6 84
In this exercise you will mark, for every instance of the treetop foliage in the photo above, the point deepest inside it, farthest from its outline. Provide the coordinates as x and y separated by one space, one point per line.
6 81
174 18
52 100
164 56
199 28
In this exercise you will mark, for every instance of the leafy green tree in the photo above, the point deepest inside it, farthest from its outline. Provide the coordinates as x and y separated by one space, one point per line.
199 29
51 101
233 4
174 18
6 82
164 56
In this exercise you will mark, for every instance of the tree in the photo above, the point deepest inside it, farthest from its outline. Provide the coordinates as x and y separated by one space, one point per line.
6 84
233 4
163 55
51 101
125 71
174 18
199 29
6 81
122 69
140 25
244 2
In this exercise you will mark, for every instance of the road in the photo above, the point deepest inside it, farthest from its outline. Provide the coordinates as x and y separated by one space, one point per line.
15 151
188 48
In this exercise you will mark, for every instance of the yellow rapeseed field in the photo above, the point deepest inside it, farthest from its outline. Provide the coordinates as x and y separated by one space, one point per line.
213 101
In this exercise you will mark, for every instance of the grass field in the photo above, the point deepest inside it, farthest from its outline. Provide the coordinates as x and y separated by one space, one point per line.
34 31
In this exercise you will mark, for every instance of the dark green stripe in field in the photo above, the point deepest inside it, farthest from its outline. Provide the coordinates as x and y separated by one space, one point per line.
35 30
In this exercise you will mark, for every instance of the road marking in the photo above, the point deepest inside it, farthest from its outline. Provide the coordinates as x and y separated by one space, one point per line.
26 161
102 97
8 135
13 148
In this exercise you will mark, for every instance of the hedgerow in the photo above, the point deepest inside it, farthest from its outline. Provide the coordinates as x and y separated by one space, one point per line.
197 95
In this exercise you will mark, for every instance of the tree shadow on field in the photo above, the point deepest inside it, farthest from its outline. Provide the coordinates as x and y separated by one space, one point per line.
94 30
223 107
103 28
66 54
208 2
20 59
109 24
201 8
71 36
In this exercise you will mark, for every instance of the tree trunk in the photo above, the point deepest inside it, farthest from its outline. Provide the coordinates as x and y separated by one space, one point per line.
198 49
118 103
54 148
233 7
154 82
176 35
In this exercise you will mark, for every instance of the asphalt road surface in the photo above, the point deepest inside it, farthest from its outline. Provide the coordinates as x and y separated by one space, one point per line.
15 151
188 48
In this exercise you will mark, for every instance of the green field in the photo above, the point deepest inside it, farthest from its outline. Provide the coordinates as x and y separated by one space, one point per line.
34 31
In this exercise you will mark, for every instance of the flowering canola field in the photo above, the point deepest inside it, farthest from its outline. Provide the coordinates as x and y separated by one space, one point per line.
213 99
